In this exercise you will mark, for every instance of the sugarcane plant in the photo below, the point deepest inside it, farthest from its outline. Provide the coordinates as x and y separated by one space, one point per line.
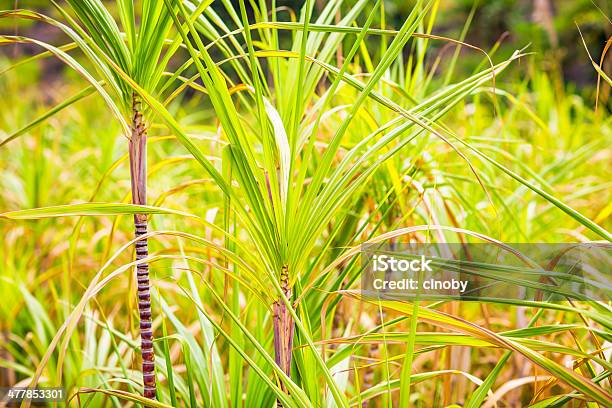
273 156
114 56
286 188
313 165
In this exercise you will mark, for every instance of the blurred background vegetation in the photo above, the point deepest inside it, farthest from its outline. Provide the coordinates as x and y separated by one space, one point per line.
548 27
545 129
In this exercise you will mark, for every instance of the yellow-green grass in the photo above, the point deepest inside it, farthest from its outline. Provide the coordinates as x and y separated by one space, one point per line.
250 173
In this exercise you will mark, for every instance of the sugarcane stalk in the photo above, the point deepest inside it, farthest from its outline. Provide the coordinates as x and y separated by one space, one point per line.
283 329
138 172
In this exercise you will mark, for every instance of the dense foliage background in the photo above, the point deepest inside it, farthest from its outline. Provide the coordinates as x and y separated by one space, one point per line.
295 128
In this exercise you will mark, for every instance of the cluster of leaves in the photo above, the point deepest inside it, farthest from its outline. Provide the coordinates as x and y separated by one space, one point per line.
297 155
